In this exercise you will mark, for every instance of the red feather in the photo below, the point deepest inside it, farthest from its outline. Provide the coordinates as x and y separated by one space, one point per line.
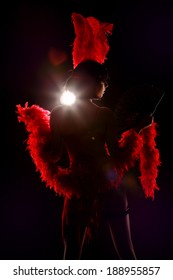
149 161
36 121
91 39
130 145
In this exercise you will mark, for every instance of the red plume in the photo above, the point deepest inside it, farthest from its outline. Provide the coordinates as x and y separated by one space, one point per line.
91 41
149 161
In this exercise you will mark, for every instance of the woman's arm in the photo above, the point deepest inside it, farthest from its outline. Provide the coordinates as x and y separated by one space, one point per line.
112 135
125 148
56 140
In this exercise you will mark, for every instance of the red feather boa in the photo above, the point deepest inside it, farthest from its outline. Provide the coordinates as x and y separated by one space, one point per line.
67 182
149 161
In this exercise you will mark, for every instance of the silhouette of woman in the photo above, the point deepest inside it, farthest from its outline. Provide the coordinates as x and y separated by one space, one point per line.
79 154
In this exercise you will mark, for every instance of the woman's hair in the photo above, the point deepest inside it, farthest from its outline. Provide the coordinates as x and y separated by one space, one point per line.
83 78
91 68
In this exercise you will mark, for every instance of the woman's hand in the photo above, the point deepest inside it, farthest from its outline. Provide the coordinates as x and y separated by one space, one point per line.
146 122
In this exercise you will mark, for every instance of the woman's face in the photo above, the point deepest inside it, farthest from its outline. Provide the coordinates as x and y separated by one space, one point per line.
86 87
101 89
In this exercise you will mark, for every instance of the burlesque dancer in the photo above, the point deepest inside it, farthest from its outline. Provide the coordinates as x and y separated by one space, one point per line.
78 153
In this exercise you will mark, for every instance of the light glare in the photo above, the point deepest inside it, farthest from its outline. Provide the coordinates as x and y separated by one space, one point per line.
67 98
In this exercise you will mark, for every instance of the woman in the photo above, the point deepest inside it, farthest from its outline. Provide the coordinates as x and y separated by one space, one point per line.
86 133
78 153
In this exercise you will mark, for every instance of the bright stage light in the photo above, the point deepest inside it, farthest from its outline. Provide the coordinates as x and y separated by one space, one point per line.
67 98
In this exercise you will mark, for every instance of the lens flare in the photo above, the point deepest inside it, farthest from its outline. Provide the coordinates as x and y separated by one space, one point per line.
68 98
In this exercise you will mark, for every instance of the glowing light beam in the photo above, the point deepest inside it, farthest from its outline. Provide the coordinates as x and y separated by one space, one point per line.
68 98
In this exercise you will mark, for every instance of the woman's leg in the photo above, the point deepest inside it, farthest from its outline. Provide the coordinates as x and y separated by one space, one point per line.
121 237
70 228
76 214
117 216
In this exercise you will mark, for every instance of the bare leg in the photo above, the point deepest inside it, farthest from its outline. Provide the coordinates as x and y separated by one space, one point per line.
121 237
74 222
115 207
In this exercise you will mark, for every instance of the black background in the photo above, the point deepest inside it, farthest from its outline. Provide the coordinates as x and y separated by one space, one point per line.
141 52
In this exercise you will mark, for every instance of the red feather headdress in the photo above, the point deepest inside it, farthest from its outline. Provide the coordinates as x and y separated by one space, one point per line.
91 41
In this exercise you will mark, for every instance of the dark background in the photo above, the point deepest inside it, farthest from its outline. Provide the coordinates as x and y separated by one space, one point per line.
141 53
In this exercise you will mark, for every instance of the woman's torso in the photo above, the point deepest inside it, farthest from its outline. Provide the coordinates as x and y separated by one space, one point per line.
83 129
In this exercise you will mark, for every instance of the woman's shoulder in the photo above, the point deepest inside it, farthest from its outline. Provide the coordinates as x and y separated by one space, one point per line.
56 113
107 111
56 110
106 114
